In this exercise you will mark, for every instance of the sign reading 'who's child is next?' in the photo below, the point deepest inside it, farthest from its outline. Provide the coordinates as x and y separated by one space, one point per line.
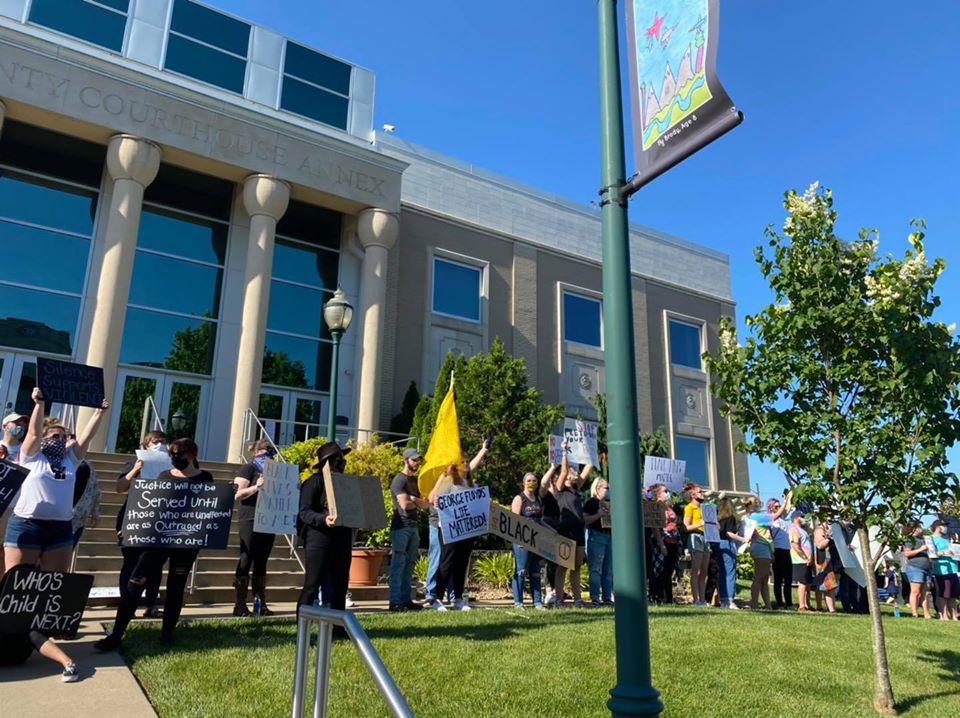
50 602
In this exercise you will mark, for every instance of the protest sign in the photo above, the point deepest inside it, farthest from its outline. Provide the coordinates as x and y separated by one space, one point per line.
581 437
711 528
605 521
537 538
154 463
69 383
955 551
50 602
749 526
355 501
669 472
278 500
851 566
555 449
178 513
464 514
11 479
654 515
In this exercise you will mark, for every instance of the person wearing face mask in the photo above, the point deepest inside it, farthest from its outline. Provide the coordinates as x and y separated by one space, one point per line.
14 431
599 553
563 508
526 564
255 547
183 456
40 529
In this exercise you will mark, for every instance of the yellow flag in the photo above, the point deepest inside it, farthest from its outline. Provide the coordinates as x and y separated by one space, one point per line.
444 448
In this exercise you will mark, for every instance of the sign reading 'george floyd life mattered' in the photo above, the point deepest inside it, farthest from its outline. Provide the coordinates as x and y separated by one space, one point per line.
11 479
464 514
50 602
178 513
69 383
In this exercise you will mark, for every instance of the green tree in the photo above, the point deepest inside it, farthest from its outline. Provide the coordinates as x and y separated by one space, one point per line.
280 371
192 349
847 382
654 444
401 423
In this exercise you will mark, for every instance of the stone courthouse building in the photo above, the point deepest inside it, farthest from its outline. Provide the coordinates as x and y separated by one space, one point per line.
182 190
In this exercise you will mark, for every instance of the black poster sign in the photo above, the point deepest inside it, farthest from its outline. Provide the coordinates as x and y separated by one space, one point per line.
11 479
178 513
50 602
69 383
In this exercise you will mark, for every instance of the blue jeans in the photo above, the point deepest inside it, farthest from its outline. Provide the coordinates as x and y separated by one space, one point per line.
525 564
600 563
433 562
405 543
725 553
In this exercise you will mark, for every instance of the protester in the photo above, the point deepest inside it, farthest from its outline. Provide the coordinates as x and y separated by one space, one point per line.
671 541
255 547
944 573
526 564
825 580
327 546
599 548
782 565
801 559
561 503
14 431
86 501
183 456
919 569
405 531
656 553
725 552
16 648
40 528
696 543
550 518
152 441
761 547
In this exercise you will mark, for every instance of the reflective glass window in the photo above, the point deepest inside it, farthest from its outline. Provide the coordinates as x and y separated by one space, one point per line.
205 63
295 362
317 68
694 452
314 102
209 26
44 258
301 263
297 310
101 22
37 320
26 198
189 237
51 153
582 320
167 341
685 347
174 285
191 192
456 289
311 224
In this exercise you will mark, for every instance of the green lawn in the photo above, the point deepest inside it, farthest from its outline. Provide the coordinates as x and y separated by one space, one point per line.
503 662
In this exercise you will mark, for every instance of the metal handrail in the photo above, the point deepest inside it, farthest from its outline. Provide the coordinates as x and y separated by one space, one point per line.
326 619
149 404
311 429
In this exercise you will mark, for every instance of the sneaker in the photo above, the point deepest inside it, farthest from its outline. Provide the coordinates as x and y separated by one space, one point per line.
412 606
539 607
397 608
518 606
428 600
461 605
350 603
438 606
608 604
595 604
733 606
70 674
105 645
551 598
578 603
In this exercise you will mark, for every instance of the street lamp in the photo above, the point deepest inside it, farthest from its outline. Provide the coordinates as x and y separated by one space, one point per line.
178 421
337 313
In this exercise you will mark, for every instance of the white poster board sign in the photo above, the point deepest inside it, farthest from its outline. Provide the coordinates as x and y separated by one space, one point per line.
464 514
955 551
555 449
581 439
711 528
154 462
749 526
279 499
669 472
851 566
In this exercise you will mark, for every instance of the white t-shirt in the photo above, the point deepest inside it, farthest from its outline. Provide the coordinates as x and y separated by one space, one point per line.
42 496
781 533
13 452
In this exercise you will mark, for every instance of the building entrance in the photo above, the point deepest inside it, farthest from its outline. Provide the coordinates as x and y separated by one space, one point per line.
289 416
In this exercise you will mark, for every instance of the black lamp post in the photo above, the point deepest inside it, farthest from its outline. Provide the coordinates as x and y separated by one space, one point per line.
337 314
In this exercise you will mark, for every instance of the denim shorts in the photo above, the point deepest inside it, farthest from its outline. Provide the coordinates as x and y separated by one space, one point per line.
38 535
761 550
697 544
917 575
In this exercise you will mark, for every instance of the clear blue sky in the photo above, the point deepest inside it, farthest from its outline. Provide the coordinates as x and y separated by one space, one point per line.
860 96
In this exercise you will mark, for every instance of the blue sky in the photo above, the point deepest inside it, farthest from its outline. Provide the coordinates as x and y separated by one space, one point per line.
860 96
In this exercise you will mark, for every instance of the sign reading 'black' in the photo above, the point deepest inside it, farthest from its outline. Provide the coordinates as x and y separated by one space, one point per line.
11 479
178 513
50 602
68 383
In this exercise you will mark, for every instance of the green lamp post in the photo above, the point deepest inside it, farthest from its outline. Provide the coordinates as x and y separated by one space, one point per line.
337 314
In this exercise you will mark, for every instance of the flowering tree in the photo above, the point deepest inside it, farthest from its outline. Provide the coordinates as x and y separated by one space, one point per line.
847 382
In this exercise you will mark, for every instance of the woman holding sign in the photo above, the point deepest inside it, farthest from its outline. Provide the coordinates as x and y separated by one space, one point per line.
255 547
40 529
526 564
563 511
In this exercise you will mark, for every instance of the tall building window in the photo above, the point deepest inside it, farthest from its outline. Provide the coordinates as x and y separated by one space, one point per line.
582 320
208 46
685 345
456 289
101 22
696 453
315 86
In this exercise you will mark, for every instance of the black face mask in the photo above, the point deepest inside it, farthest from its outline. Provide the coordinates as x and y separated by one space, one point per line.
179 461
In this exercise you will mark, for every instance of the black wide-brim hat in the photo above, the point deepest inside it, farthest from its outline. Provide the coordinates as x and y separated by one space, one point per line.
328 451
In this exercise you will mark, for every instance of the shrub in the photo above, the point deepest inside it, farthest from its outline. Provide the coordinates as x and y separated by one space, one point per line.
494 569
744 566
420 569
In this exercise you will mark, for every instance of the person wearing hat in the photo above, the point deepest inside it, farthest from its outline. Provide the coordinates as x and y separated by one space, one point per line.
255 547
14 430
404 531
327 546
801 557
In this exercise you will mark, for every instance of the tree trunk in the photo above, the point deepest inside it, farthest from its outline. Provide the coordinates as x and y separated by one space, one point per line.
883 701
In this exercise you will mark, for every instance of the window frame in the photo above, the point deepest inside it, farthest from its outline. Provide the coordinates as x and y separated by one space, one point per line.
707 456
471 263
283 80
28 10
697 324
579 293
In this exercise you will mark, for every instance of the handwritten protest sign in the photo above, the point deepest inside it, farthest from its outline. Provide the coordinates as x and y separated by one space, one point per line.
749 526
851 566
69 383
278 501
178 513
355 501
669 472
50 602
654 515
464 514
154 463
540 539
11 479
711 528
555 449
581 437
605 521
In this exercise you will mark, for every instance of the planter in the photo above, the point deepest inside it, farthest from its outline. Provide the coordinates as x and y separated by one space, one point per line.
365 565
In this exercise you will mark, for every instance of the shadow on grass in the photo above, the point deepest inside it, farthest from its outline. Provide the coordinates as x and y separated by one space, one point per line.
949 664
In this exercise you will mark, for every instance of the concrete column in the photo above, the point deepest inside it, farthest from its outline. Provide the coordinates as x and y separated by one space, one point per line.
265 198
377 230
132 164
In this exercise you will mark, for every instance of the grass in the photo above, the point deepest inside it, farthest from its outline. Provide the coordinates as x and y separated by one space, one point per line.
506 662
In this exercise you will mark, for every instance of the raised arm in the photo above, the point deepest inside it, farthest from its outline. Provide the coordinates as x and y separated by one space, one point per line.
124 481
31 442
86 436
478 459
547 480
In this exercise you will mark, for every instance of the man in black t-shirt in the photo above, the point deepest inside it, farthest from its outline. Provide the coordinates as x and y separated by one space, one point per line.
404 532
